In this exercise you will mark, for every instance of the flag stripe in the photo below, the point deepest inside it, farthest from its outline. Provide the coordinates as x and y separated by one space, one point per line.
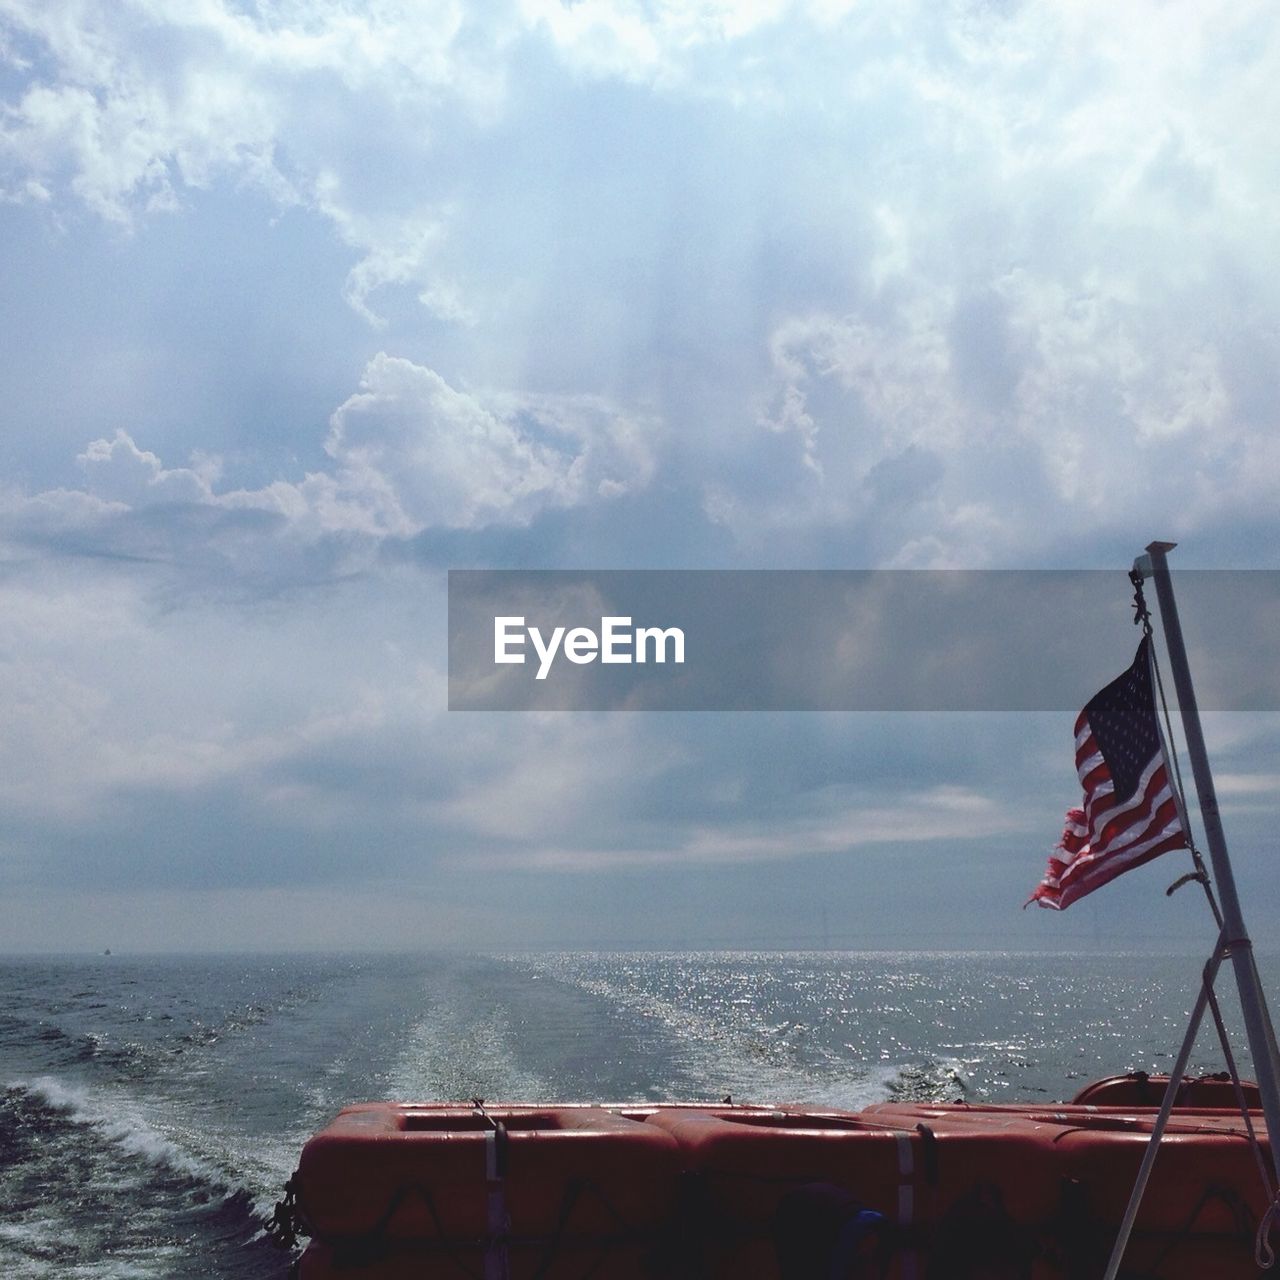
1139 832
1105 873
1105 818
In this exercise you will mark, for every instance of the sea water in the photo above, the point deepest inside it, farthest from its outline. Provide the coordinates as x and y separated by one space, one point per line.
151 1109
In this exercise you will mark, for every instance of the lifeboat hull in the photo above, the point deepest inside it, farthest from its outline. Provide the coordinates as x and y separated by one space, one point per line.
908 1191
1138 1089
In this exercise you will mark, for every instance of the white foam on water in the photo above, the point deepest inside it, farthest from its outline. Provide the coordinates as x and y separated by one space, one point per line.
936 1080
120 1120
21 1237
133 1138
732 1051
161 1263
167 1142
462 1050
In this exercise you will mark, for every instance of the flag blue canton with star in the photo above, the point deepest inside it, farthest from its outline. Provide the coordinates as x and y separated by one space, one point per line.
1123 719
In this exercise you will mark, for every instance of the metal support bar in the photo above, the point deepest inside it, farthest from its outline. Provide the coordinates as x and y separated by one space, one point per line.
1271 1031
1242 1104
1166 1109
1257 1020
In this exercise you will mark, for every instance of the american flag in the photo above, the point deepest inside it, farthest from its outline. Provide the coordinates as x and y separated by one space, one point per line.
1129 815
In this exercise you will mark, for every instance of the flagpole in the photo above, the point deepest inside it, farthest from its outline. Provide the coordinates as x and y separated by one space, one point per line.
1257 1021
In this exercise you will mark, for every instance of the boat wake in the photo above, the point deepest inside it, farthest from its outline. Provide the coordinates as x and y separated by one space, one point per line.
724 1045
89 1175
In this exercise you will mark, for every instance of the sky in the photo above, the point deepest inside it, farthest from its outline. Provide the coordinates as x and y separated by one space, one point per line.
306 302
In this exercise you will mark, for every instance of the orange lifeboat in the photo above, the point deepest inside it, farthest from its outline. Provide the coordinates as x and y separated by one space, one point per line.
390 1189
724 1192
1138 1089
1201 1208
932 1185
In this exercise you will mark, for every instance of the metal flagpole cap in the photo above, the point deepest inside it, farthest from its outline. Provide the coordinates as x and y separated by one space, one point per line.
1143 566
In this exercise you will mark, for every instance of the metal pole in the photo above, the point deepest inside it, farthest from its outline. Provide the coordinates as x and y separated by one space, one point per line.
1257 1021
1166 1109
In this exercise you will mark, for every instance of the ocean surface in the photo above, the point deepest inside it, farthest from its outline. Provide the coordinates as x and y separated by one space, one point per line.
152 1108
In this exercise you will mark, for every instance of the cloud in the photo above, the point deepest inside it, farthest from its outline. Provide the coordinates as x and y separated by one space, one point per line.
408 453
776 284
988 423
827 829
127 110
306 740
118 128
117 471
1057 291
396 250
144 738
831 242
450 460
662 43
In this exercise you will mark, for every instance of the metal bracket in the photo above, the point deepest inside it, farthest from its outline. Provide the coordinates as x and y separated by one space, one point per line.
1143 566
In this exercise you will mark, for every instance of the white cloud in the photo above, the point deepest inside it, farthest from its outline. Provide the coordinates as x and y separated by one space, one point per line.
107 696
913 284
683 45
896 373
879 420
452 460
1041 405
979 140
130 105
559 776
395 251
117 471
1067 289
409 453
